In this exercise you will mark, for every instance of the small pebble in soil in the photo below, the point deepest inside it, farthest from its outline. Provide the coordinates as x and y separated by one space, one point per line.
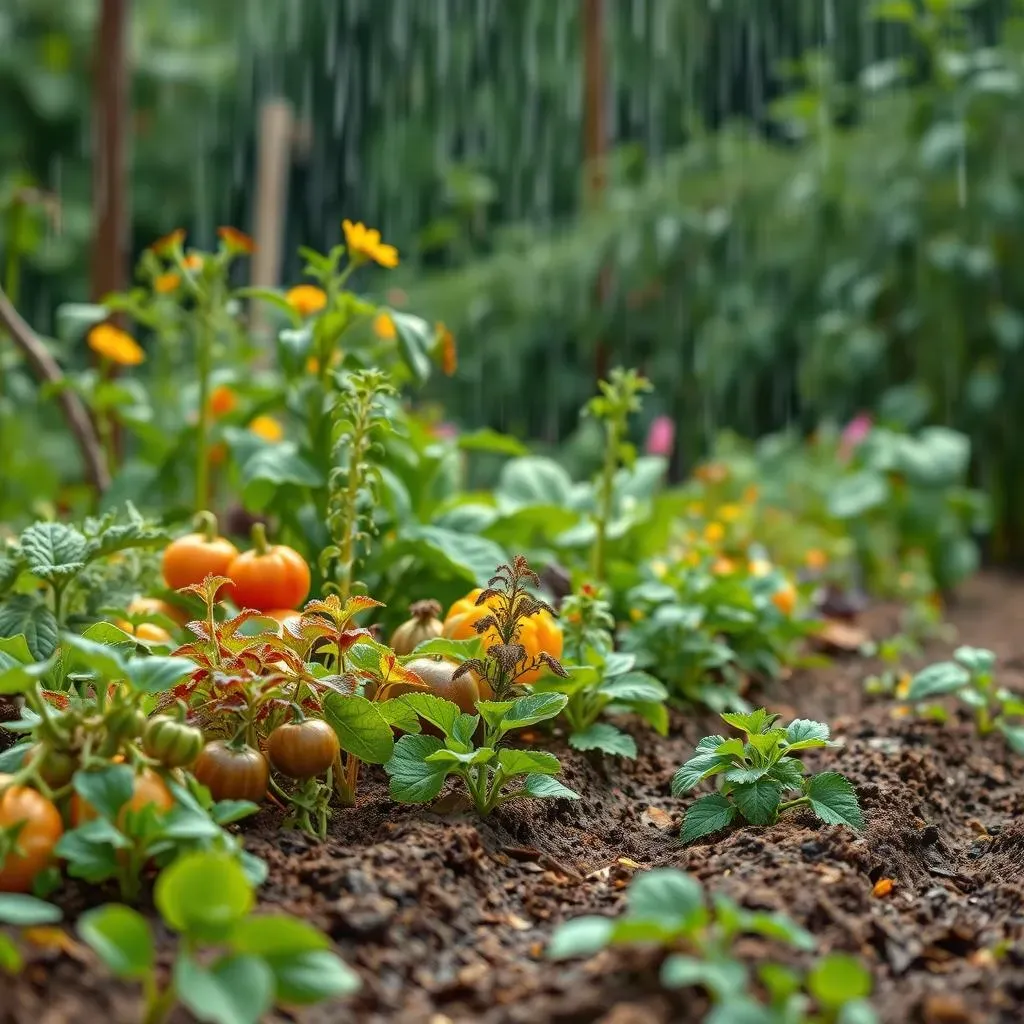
946 1009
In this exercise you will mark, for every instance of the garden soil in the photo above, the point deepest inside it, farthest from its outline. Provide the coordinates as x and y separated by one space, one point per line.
446 917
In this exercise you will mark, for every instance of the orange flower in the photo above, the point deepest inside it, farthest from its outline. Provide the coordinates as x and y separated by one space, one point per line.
112 343
313 364
384 327
723 567
714 532
306 299
816 559
166 245
193 261
785 599
222 400
364 243
759 567
163 284
236 241
268 428
449 354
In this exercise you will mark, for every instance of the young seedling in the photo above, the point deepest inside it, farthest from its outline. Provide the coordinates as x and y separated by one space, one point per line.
18 910
232 966
757 771
601 680
669 909
969 676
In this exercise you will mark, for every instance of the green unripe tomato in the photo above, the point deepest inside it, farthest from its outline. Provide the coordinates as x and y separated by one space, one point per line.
125 722
174 744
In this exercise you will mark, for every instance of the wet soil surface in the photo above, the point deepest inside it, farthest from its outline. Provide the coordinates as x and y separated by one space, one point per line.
446 917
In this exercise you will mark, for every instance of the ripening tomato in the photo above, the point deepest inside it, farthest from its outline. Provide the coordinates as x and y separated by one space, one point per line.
149 789
40 829
190 559
785 599
174 744
537 633
271 576
56 767
303 750
233 772
151 633
154 606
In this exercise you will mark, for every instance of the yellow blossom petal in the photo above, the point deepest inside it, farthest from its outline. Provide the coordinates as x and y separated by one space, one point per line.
364 243
384 327
112 343
306 299
268 428
164 284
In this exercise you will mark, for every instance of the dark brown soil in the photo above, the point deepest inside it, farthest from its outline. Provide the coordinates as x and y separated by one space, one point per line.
446 917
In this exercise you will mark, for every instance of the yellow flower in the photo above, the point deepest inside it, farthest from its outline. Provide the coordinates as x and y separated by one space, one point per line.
112 343
730 513
306 299
759 567
365 243
816 559
659 569
449 354
313 364
723 567
236 241
222 400
193 261
714 532
268 428
636 614
903 685
166 245
384 327
163 284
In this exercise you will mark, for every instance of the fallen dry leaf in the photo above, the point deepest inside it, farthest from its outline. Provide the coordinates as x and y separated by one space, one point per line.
841 636
518 923
882 887
44 937
657 817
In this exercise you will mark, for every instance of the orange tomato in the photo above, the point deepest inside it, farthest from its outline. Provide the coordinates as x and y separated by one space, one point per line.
154 606
538 633
40 830
785 599
190 559
149 789
271 576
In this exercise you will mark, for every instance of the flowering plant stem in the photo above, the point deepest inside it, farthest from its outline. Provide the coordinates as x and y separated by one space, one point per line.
205 362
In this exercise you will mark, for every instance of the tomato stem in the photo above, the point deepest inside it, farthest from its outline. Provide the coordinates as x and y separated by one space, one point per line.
206 524
205 361
259 538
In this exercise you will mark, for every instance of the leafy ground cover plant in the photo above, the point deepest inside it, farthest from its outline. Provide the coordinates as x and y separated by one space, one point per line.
757 771
232 966
421 763
670 909
601 680
970 677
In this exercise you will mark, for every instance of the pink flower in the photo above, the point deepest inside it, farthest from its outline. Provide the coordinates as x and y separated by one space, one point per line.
853 435
661 436
446 431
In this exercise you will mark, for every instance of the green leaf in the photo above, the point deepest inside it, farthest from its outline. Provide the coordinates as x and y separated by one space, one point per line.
414 780
1014 736
91 850
24 911
29 616
106 790
802 733
977 660
457 650
634 686
276 934
582 937
837 979
233 990
834 800
935 680
606 738
487 440
121 938
436 710
14 652
788 772
895 10
272 298
522 762
779 927
415 340
708 814
698 768
545 787
531 709
533 480
665 893
311 976
155 674
751 722
399 715
11 959
53 551
104 660
272 466
204 895
450 553
724 979
361 728
758 801
857 494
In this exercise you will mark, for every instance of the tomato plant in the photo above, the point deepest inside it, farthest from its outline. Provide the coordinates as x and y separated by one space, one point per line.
188 560
270 576
30 828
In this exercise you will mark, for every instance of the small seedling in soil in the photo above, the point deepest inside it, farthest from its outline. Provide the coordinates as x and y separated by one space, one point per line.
669 909
602 681
757 772
970 677
19 910
232 966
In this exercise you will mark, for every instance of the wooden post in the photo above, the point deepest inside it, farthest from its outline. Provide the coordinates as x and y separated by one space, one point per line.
595 139
273 163
112 76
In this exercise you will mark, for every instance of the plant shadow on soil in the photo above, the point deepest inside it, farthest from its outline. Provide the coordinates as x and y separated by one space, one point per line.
446 917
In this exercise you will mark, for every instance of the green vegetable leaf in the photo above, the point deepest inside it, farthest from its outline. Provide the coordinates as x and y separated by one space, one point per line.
758 801
722 978
311 976
634 686
935 680
456 650
750 722
29 616
436 710
837 979
975 659
803 733
665 893
788 773
204 895
698 768
53 551
545 787
533 708
155 674
606 738
24 911
399 715
276 934
414 780
582 937
107 790
834 800
708 814
233 990
361 728
121 938
522 762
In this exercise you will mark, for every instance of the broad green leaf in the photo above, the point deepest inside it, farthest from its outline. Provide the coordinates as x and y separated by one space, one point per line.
23 911
53 550
235 989
311 976
751 722
788 772
399 715
834 800
275 935
857 494
533 480
105 660
415 340
14 652
413 779
531 709
272 298
436 710
581 937
106 790
272 466
606 738
724 978
935 680
493 712
27 615
522 762
361 728
634 686
450 553
802 732
121 938
91 850
779 927
1014 736
837 979
481 755
975 659
698 768
204 895
156 674
665 893
457 650
487 440
11 959
708 814
758 801
654 714
547 788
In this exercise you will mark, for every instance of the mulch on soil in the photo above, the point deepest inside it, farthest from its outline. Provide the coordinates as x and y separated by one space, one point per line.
446 917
